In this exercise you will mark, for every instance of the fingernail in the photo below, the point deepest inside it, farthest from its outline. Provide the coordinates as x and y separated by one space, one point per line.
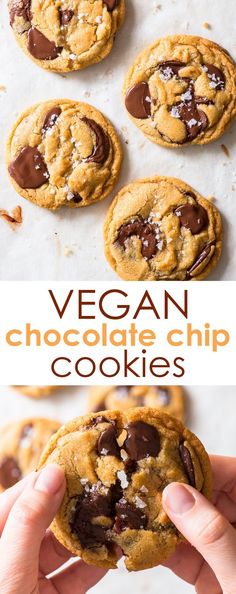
178 499
50 479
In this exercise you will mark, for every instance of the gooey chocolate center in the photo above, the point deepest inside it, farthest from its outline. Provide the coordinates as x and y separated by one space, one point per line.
101 511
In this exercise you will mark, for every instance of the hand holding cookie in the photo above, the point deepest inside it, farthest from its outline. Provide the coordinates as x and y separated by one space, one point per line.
26 544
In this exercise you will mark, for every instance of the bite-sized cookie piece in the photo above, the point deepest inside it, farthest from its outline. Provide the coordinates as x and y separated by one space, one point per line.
21 445
63 152
116 466
182 90
159 228
37 391
65 35
168 398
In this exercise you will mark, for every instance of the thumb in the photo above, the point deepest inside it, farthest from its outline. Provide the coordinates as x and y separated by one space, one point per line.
205 528
27 522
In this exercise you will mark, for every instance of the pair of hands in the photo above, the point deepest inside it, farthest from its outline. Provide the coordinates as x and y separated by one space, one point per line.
29 552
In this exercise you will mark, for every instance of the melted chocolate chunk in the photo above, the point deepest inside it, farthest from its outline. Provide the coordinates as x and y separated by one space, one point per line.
19 8
111 4
129 516
107 444
102 144
51 118
142 441
130 467
193 217
216 76
90 506
65 16
170 68
40 47
29 169
203 255
99 419
163 395
10 472
138 101
145 231
187 463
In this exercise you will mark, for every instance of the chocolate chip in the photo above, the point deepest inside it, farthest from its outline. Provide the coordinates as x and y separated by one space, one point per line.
19 8
111 4
138 101
142 441
130 467
76 198
102 144
193 217
129 516
216 77
29 169
202 256
10 472
51 118
88 507
146 231
107 444
187 463
40 47
65 16
163 395
99 419
170 68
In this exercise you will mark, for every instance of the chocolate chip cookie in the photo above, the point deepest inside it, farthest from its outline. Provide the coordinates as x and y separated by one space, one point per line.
21 445
161 229
63 152
37 391
116 466
65 35
168 398
182 90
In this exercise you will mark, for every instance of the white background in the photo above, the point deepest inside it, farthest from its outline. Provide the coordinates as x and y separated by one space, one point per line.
211 415
37 249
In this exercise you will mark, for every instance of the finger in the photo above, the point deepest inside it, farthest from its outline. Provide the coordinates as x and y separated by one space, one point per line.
27 523
9 497
224 474
52 554
189 565
79 578
205 528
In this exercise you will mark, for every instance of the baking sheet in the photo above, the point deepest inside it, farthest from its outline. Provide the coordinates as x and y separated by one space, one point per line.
217 431
68 244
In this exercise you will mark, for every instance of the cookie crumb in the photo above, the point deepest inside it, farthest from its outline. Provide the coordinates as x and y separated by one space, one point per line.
225 150
13 220
68 250
206 25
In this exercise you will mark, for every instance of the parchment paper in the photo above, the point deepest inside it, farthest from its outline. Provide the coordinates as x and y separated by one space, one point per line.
211 414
